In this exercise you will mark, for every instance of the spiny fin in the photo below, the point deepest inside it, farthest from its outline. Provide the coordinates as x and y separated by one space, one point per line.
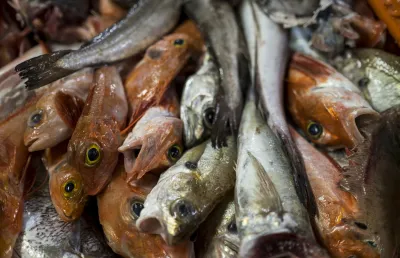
42 70
311 66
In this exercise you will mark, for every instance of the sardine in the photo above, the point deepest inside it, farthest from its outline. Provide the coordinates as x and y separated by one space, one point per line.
270 218
227 46
188 192
93 148
337 222
327 106
146 22
198 103
118 219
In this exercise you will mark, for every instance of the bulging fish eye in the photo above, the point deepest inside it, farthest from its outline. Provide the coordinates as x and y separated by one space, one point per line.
182 209
179 42
93 155
136 208
70 189
314 130
232 227
208 117
35 118
174 153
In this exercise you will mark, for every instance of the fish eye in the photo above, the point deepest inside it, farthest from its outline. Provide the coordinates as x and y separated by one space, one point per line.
179 42
232 227
136 208
363 82
174 153
182 209
35 118
208 117
70 189
314 130
92 155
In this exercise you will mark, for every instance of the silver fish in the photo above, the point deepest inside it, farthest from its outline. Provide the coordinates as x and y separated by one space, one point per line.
188 192
198 103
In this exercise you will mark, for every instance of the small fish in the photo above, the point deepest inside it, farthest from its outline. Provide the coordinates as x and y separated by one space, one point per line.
198 103
337 222
376 72
118 219
58 111
155 143
93 148
218 236
270 218
188 192
217 22
114 44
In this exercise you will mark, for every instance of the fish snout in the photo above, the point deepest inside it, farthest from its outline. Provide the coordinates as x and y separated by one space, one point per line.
356 120
150 222
193 128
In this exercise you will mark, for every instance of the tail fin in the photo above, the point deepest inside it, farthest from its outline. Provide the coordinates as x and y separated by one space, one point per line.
42 70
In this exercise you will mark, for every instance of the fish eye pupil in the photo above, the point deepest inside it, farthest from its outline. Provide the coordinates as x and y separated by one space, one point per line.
183 210
209 115
179 42
93 154
232 227
69 187
315 129
363 82
137 208
36 118
174 152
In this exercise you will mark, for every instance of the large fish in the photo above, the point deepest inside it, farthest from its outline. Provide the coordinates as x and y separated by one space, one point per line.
146 22
326 105
188 191
337 222
270 218
93 148
376 73
198 103
267 72
58 111
118 219
226 45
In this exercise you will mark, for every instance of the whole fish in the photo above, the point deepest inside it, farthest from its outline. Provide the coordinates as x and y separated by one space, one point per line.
270 218
151 77
198 103
147 20
118 219
268 70
188 191
93 148
376 72
327 106
217 22
337 222
218 236
155 143
58 111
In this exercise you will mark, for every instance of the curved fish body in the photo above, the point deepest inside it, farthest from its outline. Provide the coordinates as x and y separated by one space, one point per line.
198 103
155 142
268 70
93 148
270 218
218 236
58 111
227 46
376 72
145 23
118 219
188 192
337 222
327 106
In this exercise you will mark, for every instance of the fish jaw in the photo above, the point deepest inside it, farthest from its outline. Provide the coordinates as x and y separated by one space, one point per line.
194 130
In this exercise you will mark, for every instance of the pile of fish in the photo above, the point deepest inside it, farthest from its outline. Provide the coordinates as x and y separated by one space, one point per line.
199 128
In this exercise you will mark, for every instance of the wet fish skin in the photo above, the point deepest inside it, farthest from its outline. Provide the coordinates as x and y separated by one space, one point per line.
148 20
217 22
198 103
98 131
294 7
188 191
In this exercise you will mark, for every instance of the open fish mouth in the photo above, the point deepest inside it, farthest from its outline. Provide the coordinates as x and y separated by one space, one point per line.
358 120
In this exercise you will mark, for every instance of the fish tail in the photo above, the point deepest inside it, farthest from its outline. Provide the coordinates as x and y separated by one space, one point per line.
42 70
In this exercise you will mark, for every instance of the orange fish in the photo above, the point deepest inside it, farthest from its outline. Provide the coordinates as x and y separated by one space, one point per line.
149 80
325 104
337 223
119 207
93 148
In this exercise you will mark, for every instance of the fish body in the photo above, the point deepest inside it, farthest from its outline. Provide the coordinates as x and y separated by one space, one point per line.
118 220
147 21
226 45
188 191
93 148
376 73
58 111
198 103
337 222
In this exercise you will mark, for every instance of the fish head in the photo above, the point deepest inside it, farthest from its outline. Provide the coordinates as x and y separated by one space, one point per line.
93 151
326 105
53 120
67 192
152 148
